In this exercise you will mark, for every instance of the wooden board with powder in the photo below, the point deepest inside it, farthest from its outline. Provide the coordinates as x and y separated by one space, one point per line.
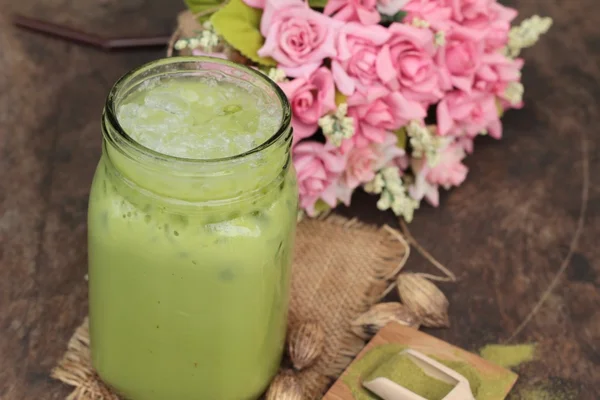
489 381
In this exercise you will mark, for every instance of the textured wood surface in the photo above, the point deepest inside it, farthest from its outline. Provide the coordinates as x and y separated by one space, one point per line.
397 334
506 232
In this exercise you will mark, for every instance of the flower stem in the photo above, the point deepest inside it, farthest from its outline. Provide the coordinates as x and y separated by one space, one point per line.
450 277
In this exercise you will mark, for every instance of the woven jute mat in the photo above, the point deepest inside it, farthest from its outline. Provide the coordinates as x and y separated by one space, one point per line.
341 268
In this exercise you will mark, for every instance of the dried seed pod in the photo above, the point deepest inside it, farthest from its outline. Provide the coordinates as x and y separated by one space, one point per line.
285 386
424 299
380 315
306 344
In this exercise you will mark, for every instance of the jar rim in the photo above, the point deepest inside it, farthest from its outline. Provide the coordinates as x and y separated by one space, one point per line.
110 112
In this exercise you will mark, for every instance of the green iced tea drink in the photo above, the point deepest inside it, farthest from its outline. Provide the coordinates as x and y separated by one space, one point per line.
191 226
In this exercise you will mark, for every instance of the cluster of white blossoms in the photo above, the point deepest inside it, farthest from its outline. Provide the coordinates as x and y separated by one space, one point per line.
207 40
527 34
420 23
337 126
277 75
514 92
393 194
424 142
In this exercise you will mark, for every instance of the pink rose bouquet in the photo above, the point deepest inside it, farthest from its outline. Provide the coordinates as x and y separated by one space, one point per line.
387 95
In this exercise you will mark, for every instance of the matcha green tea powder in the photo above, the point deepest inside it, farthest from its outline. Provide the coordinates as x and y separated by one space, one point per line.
508 356
376 362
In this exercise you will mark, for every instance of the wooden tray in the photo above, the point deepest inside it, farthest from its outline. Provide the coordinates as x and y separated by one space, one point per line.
429 345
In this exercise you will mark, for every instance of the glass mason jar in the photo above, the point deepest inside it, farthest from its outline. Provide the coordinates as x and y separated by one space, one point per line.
190 259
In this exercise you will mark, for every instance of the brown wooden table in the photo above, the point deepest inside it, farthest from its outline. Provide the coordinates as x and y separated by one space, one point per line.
530 206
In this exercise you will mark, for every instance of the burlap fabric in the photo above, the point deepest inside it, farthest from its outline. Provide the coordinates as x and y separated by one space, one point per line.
341 267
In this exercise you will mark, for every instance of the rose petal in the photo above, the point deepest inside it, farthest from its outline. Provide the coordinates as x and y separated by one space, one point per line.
344 83
443 118
385 67
301 71
302 130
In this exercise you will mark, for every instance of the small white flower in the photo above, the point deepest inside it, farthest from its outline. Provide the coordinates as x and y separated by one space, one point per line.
405 206
347 127
277 75
376 185
391 174
207 25
337 126
514 92
424 142
393 193
342 110
181 44
209 40
385 201
204 41
327 124
193 43
420 23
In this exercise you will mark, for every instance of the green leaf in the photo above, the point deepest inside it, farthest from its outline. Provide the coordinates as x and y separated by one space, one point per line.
399 16
198 6
389 19
321 206
317 3
401 135
239 24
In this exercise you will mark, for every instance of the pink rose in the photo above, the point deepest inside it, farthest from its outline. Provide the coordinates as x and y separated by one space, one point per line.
460 58
466 143
436 12
461 113
363 162
310 98
379 111
449 170
496 35
354 67
497 26
469 9
318 168
487 16
496 72
406 63
363 11
298 38
390 153
479 13
360 166
360 139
